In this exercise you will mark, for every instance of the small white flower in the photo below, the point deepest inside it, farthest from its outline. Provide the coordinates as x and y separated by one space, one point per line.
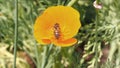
98 6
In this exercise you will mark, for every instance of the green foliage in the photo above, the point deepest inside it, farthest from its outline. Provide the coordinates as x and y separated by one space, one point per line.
93 44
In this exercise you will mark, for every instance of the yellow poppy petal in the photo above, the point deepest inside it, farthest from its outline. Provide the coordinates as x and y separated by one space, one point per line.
66 43
67 18
42 28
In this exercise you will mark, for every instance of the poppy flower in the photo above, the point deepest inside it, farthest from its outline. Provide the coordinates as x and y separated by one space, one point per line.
57 25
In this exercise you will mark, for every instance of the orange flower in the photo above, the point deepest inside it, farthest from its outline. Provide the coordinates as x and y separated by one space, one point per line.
57 25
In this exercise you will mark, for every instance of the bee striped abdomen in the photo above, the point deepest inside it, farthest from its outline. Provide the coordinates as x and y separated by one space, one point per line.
57 31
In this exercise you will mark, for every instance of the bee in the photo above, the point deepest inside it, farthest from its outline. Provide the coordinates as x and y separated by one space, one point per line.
57 31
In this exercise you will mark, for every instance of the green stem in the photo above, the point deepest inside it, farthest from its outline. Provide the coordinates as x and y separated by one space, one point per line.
46 55
58 2
64 2
37 55
71 2
96 40
35 46
16 31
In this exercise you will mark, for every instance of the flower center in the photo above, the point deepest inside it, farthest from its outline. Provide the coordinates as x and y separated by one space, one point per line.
57 31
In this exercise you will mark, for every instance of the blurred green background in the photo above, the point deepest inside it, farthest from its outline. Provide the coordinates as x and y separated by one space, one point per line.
98 39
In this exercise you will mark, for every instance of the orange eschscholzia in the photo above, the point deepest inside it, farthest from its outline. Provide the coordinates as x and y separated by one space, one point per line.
57 25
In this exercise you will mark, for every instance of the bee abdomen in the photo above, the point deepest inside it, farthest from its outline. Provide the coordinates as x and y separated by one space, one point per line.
57 31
